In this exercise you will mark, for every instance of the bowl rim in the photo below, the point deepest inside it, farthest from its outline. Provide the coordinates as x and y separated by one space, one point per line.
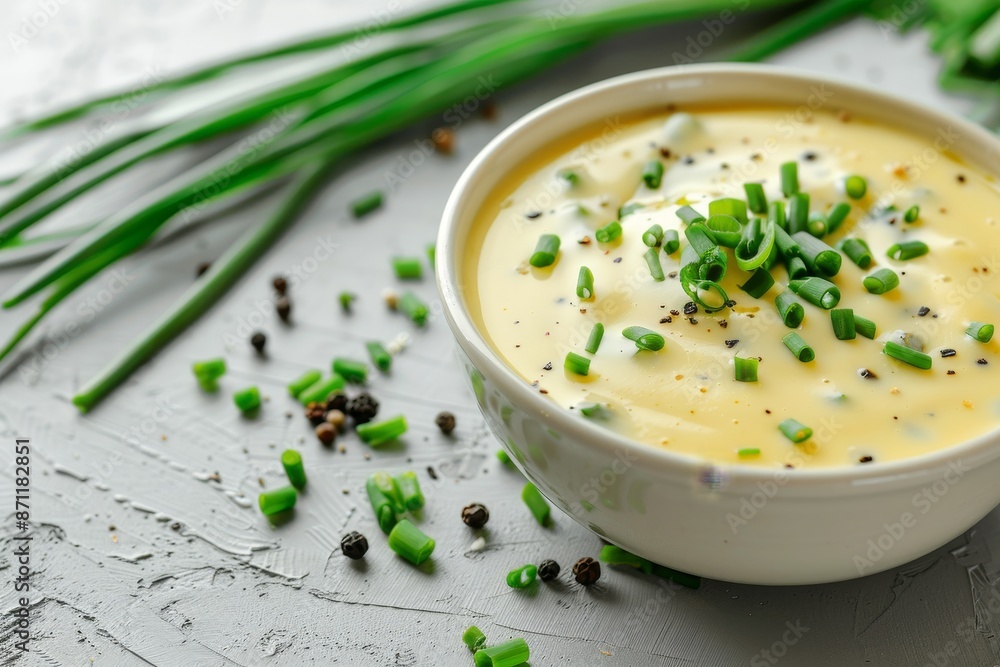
977 450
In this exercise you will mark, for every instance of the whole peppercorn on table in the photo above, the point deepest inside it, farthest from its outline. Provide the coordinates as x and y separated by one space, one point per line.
149 542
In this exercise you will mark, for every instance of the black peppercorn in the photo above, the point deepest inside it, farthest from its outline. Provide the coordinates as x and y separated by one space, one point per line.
201 269
280 285
258 340
315 413
690 308
587 571
446 422
548 570
337 402
354 545
362 408
326 433
475 515
284 308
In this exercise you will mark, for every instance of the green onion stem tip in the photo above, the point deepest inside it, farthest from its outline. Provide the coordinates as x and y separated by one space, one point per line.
410 542
585 284
881 281
350 369
844 325
414 308
537 503
382 504
908 250
817 291
320 390
980 331
795 430
545 251
409 490
652 174
746 369
594 341
291 461
756 199
522 577
855 187
474 638
652 257
644 339
247 400
577 364
379 355
609 232
857 251
864 326
382 432
798 346
789 178
303 382
912 214
790 309
671 241
365 205
211 369
279 500
407 268
748 452
908 355
653 236
508 654
615 555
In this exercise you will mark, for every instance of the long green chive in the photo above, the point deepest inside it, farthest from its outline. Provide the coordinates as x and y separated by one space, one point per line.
410 542
776 214
365 205
382 505
688 215
705 292
818 256
609 232
881 281
321 389
537 503
652 257
414 308
509 654
303 382
790 309
753 250
615 555
594 340
908 250
350 370
408 268
653 236
629 209
864 326
797 269
912 214
795 430
729 206
346 299
786 244
857 251
799 347
522 577
546 250
409 490
908 355
789 178
247 400
585 283
382 432
652 174
756 199
746 369
838 214
645 339
474 638
700 238
379 355
210 368
980 331
817 291
844 326
798 213
855 187
671 241
748 452
291 461
759 282
389 487
279 500
577 364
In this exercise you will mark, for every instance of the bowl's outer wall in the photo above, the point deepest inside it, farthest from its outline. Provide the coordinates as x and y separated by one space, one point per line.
758 527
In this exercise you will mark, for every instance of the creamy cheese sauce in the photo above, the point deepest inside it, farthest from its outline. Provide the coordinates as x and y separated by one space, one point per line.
684 398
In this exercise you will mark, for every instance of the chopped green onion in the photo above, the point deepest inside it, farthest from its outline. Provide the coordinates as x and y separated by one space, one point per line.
671 241
570 176
523 576
303 382
247 400
652 174
382 504
653 236
818 256
321 389
797 346
746 369
504 457
509 654
816 225
365 205
798 212
609 232
797 269
577 364
629 209
389 487
756 199
776 214
645 339
382 432
713 265
698 289
790 309
795 430
408 268
652 257
748 452
537 503
689 216
594 341
431 254
908 250
414 308
908 355
210 369
346 299
380 356
912 214
410 542
857 251
786 244
474 638
615 555
585 283
855 187
700 238
681 578
980 331
351 370
838 214
864 326
592 410
409 491
881 281
279 500
817 291
291 461
728 206
844 326
759 282
789 178
546 250
751 252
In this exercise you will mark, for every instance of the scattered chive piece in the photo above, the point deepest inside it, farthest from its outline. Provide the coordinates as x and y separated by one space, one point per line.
908 355
912 214
594 341
346 299
747 452
523 576
303 382
908 250
816 225
855 187
798 212
653 236
608 232
546 250
645 339
698 288
474 638
797 269
746 369
380 356
407 268
629 209
389 487
799 347
756 199
795 430
570 176
652 174
210 385
211 368
409 490
410 542
504 457
786 244
729 206
577 364
980 331
689 216
382 432
671 241
682 578
592 410
857 251
881 281
837 216
382 505
844 326
864 326
776 214
818 256
585 283
537 503
365 205
291 461
700 238
319 390
754 248
725 229
615 555
790 309
247 400
652 257
431 254
759 282
509 654
789 178
279 500
817 291
415 309
351 370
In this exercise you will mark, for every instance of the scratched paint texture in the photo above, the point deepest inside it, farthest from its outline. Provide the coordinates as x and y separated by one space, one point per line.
148 546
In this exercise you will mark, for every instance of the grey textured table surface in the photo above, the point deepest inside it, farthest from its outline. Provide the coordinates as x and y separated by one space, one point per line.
142 555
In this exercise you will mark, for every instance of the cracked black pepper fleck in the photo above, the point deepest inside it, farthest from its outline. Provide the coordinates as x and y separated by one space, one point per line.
284 308
948 352
548 570
280 284
362 408
587 571
446 422
354 545
475 515
690 308
258 340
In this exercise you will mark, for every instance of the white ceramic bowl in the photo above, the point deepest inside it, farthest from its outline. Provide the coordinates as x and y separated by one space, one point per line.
735 523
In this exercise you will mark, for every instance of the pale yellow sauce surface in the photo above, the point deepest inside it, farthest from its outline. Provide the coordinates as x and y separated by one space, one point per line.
684 398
